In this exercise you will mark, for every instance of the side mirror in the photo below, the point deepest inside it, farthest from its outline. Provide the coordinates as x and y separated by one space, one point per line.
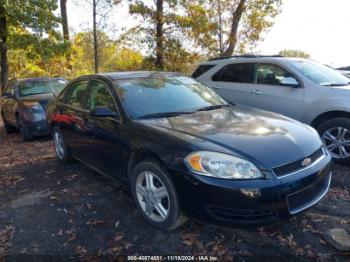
290 81
102 111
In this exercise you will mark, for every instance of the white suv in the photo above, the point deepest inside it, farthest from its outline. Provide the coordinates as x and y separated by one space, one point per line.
298 88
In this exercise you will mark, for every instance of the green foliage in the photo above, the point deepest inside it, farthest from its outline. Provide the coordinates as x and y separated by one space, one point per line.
185 27
192 30
257 18
32 41
294 53
112 57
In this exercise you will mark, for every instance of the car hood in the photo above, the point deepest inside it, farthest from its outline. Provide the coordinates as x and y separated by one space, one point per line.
43 99
38 97
267 138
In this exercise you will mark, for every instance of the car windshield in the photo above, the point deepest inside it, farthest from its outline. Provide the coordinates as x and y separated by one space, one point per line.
160 95
320 74
35 87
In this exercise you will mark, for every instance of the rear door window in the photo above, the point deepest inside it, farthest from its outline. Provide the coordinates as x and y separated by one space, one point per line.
201 70
236 73
76 95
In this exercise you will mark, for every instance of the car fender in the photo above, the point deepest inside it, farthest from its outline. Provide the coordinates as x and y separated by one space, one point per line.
327 105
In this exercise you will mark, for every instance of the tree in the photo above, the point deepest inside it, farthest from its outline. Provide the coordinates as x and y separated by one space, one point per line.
112 56
100 10
164 23
64 17
294 53
35 16
3 47
240 23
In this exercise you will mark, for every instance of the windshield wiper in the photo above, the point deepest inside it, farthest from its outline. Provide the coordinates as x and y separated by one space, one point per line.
164 114
336 84
207 108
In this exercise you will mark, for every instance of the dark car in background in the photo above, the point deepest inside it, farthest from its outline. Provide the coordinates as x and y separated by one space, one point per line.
183 151
23 105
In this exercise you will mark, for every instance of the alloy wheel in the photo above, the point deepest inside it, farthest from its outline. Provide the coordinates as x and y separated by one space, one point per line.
59 148
152 196
337 142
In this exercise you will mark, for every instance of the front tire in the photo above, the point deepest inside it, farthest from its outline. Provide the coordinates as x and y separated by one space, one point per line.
155 196
61 149
335 135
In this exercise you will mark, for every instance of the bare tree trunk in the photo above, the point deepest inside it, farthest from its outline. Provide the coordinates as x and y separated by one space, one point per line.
232 38
159 36
95 36
221 48
65 28
3 47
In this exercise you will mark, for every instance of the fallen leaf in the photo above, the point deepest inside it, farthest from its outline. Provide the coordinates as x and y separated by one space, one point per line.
95 222
54 198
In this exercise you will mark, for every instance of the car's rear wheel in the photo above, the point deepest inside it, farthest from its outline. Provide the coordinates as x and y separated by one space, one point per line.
8 128
61 149
23 129
155 196
335 135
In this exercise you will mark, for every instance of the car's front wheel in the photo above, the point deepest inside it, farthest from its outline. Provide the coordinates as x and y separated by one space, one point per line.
61 149
335 135
155 196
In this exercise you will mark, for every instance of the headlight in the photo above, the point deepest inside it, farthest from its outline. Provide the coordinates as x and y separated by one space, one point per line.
221 165
33 106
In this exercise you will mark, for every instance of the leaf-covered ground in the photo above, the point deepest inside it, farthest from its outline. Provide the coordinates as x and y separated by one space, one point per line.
64 211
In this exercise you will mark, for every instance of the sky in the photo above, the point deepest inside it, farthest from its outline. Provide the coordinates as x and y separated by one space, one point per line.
318 27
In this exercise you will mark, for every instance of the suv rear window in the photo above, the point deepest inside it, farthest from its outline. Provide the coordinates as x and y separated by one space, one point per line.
236 73
201 70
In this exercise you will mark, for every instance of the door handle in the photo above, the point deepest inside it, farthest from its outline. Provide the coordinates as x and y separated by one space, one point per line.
256 92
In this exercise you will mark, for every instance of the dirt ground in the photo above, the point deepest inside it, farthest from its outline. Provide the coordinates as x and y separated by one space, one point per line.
50 211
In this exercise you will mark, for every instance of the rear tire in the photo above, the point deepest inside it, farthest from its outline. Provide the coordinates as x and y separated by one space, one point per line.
159 203
24 130
62 152
8 128
335 135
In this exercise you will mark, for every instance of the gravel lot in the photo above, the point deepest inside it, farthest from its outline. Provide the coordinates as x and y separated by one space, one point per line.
72 212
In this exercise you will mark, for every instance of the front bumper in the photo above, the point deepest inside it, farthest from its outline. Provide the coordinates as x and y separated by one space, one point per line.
36 123
222 202
38 128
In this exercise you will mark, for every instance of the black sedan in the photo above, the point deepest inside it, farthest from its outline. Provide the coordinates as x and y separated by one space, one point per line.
183 151
23 105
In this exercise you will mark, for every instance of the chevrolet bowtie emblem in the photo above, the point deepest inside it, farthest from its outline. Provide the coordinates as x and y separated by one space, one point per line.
306 162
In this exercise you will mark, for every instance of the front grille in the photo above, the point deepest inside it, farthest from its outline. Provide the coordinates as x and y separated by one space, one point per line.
296 165
302 199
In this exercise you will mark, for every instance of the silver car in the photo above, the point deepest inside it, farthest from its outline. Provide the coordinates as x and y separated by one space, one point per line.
301 89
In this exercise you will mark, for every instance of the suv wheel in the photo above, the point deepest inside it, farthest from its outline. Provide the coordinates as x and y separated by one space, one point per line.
335 135
8 128
155 196
62 152
23 129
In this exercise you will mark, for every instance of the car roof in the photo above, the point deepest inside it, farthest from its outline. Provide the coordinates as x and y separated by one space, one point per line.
137 74
252 59
37 79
